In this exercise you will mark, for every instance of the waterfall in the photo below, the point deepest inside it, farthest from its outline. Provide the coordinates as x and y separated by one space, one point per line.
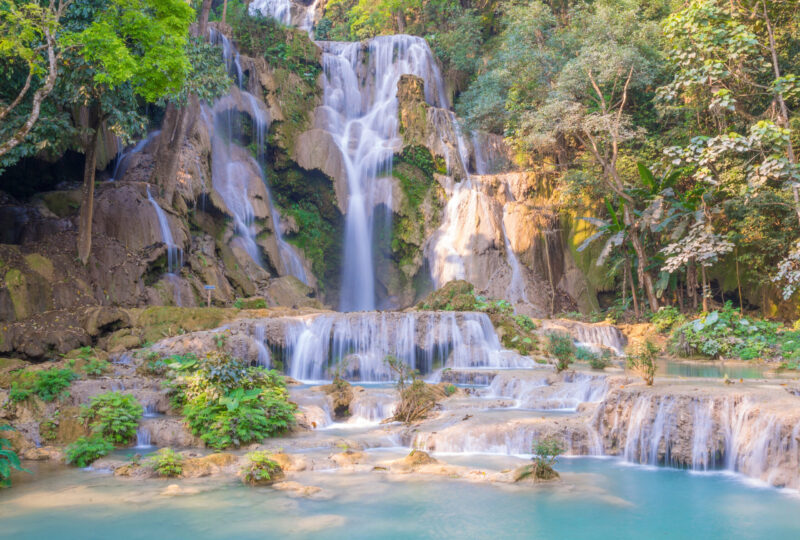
124 156
143 438
233 165
357 344
259 336
360 103
174 252
733 433
280 10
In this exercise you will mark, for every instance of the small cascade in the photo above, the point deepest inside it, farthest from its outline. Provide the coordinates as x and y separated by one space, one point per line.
124 156
538 391
143 438
595 337
150 411
259 336
280 10
730 433
515 292
307 24
174 252
360 104
359 344
372 407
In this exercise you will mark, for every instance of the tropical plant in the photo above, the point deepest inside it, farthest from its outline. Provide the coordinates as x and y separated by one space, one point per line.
9 460
114 416
86 450
166 462
48 384
545 455
260 469
562 349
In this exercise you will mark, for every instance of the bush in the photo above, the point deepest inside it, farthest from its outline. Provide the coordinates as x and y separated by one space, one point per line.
642 360
48 429
48 384
8 459
545 455
728 334
666 318
261 469
166 462
525 322
595 360
562 349
86 450
229 404
114 416
95 367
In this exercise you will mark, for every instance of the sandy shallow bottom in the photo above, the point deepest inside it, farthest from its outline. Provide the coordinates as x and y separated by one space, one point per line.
597 498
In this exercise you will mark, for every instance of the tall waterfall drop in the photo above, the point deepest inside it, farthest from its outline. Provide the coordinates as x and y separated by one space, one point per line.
360 103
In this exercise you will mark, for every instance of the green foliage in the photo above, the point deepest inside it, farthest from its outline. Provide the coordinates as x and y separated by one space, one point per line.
48 428
562 349
666 318
525 322
545 455
8 459
167 463
450 389
94 367
114 416
227 403
260 469
728 334
642 360
48 384
85 450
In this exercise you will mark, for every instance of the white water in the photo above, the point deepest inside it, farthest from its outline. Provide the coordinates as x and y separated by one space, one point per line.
124 156
143 438
360 104
280 10
422 340
233 166
174 251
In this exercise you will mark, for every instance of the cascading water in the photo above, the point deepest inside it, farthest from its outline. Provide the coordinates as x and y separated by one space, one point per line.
123 158
358 344
360 100
174 251
280 10
232 165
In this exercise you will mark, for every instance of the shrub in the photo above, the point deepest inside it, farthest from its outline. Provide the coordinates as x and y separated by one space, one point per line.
562 349
95 367
449 389
48 429
8 459
261 469
545 456
166 462
595 360
86 450
47 384
229 404
666 318
525 322
416 397
642 360
114 416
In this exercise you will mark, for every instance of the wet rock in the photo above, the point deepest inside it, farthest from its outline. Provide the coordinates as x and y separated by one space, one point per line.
208 465
413 462
296 489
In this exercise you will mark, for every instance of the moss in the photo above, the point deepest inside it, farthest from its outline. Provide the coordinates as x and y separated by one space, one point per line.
309 199
413 168
17 288
158 322
62 203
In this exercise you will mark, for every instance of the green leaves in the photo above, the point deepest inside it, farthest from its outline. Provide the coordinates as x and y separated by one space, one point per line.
85 450
8 459
114 416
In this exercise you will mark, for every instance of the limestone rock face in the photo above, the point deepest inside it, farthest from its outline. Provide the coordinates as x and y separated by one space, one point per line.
316 149
412 109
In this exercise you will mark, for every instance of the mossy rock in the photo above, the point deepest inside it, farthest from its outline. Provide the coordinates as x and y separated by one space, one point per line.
443 298
534 473
255 302
158 322
62 203
41 265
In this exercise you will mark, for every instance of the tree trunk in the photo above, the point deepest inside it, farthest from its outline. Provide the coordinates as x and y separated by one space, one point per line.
644 276
625 283
224 11
691 283
203 22
705 287
739 282
87 199
168 153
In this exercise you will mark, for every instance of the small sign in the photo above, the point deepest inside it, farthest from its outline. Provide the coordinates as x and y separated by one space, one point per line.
209 287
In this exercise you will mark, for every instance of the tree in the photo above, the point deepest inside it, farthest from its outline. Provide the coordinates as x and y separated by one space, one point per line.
125 50
28 47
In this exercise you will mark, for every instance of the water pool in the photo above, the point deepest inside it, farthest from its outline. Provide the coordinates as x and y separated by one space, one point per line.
597 499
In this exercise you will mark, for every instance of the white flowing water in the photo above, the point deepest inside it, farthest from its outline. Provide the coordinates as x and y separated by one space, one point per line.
233 167
360 104
124 156
143 438
357 344
280 10
174 251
